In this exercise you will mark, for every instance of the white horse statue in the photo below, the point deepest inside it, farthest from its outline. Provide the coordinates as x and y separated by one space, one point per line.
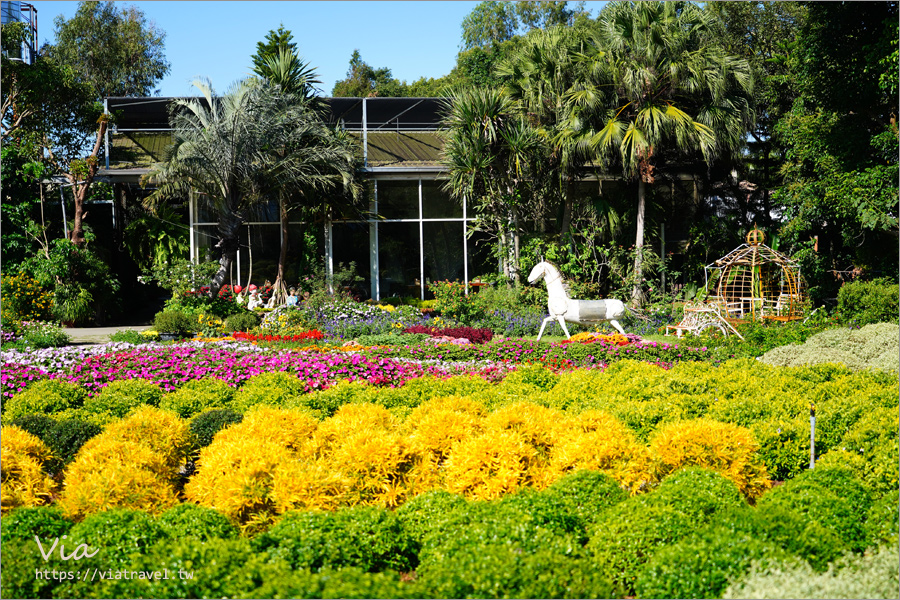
562 308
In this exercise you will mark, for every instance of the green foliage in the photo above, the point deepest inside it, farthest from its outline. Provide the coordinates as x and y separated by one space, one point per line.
697 492
44 335
586 494
422 514
865 302
101 38
626 536
273 389
243 321
127 335
174 321
36 424
883 520
46 397
196 521
22 559
117 533
46 522
24 299
118 398
817 503
452 301
704 564
207 424
198 395
873 575
83 285
348 582
391 339
66 438
181 275
363 536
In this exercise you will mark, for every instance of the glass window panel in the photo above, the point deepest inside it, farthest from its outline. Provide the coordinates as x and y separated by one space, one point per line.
398 199
443 246
265 243
350 244
205 212
481 259
398 259
437 204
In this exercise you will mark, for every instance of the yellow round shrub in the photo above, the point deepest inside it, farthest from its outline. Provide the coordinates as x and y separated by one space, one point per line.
111 472
162 431
291 428
723 447
24 482
489 465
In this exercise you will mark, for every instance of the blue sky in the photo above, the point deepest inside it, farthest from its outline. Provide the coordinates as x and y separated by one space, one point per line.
216 39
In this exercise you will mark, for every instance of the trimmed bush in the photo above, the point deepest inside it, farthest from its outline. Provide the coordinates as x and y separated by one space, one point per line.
197 521
175 322
883 519
587 494
66 438
864 302
198 395
37 425
24 481
700 493
704 564
243 321
117 534
366 537
272 389
207 424
127 335
46 522
426 512
348 582
44 397
120 397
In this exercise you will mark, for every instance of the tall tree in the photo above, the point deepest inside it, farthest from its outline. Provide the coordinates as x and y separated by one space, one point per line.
493 22
364 81
319 159
114 51
663 85
112 48
490 152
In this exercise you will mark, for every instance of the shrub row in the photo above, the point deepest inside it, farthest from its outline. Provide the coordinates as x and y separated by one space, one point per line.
476 336
581 537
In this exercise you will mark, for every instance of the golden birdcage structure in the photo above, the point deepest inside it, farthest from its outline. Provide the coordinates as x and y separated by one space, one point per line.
753 281
756 282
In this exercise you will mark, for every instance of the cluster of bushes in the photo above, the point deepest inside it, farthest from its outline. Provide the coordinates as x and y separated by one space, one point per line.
873 346
866 302
694 535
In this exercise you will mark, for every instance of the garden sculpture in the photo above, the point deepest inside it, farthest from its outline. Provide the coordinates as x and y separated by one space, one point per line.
562 308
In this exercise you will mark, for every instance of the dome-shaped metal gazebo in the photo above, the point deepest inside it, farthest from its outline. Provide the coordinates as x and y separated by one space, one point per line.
754 281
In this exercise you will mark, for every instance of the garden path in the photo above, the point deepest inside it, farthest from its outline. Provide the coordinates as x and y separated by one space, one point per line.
87 336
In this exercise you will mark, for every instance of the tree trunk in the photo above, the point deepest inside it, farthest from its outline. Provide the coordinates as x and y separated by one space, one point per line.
568 207
279 290
637 294
81 189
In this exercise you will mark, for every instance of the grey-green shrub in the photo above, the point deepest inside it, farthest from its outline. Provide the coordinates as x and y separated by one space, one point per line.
44 397
198 395
120 397
874 346
874 575
197 521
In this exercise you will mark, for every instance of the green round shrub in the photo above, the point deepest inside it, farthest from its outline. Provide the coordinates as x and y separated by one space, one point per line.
843 483
699 493
348 582
274 389
174 321
532 375
243 321
118 533
45 397
545 510
127 335
703 565
367 537
627 535
586 494
882 521
498 570
211 568
206 425
817 503
198 395
46 522
197 521
120 397
22 560
425 512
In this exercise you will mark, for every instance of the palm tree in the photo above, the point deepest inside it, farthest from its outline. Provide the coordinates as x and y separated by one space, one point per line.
662 85
317 159
490 151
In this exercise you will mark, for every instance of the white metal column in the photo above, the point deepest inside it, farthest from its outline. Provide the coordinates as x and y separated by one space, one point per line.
465 247
374 267
329 251
421 248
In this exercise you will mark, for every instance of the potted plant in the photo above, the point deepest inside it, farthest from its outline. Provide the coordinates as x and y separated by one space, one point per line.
173 325
72 304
